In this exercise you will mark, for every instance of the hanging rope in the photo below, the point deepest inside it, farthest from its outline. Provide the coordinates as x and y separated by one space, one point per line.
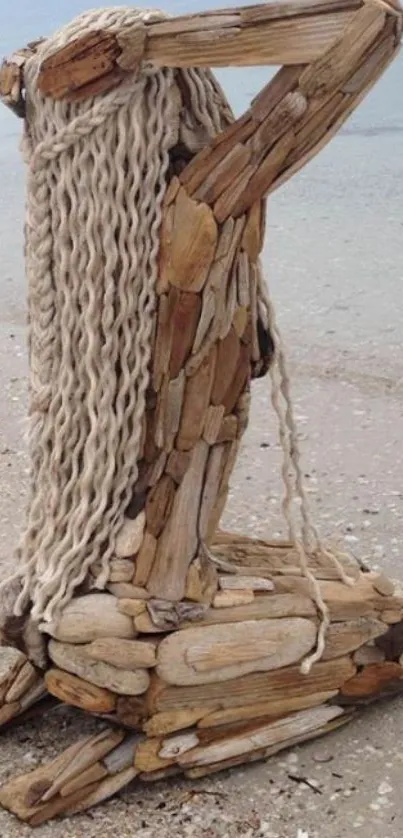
294 492
98 167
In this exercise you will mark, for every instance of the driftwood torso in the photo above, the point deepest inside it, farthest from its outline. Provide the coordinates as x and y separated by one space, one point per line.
209 341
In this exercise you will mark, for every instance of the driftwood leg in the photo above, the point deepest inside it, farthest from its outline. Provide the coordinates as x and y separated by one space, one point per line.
197 638
226 691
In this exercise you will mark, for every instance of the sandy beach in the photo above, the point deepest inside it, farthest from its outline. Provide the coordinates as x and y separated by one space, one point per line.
333 258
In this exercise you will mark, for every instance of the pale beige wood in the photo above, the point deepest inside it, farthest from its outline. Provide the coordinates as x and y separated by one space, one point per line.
178 543
241 314
173 410
145 625
185 321
347 636
25 679
196 402
281 707
229 428
23 794
358 600
34 694
377 66
177 745
122 756
144 559
374 680
170 721
275 42
391 617
74 660
368 654
125 590
277 559
125 654
8 711
261 737
129 539
159 504
97 62
201 581
382 584
215 291
105 789
212 425
253 583
228 599
146 756
188 243
121 570
194 582
208 655
265 753
132 607
88 618
270 606
11 662
79 693
252 688
252 240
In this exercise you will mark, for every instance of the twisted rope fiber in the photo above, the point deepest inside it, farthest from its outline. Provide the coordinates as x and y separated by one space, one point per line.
97 179
295 495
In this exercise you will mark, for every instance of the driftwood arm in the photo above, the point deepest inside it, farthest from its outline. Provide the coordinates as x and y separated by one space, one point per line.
295 115
333 51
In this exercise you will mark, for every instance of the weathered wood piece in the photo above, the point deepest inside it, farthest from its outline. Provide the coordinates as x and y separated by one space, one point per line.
208 655
73 659
79 693
227 599
129 539
178 543
188 242
216 680
253 688
289 33
88 618
260 736
124 654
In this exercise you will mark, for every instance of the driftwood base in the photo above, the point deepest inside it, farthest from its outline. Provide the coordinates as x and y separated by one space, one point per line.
203 695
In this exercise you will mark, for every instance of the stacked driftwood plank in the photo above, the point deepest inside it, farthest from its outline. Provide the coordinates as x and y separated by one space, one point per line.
201 697
197 642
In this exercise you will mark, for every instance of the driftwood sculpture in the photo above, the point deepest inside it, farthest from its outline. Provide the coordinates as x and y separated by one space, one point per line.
148 318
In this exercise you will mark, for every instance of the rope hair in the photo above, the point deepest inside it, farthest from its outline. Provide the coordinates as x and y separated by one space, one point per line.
97 176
